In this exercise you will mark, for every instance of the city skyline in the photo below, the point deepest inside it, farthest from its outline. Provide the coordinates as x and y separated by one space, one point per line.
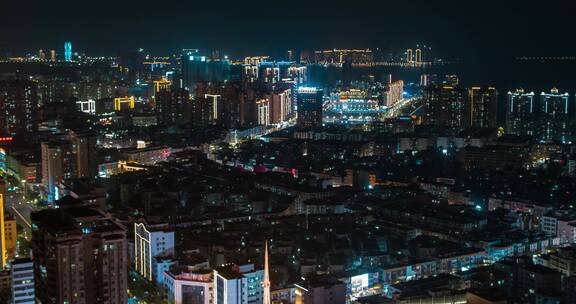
491 29
303 152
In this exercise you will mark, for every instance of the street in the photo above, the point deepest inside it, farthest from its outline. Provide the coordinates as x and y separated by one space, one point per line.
16 204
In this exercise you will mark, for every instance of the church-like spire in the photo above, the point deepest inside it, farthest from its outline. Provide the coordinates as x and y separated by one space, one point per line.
266 280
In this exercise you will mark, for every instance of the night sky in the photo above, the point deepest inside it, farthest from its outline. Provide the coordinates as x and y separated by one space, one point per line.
453 28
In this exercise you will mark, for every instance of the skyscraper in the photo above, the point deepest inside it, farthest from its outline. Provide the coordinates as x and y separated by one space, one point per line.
444 106
53 156
80 255
194 68
554 122
22 275
162 84
263 111
68 51
207 110
309 101
428 79
520 113
409 56
280 105
172 106
418 55
151 242
233 100
10 236
202 112
482 107
18 106
84 148
199 68
67 156
394 93
124 103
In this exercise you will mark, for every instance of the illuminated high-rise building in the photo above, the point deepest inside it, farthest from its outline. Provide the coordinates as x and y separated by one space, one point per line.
234 100
520 113
18 107
203 112
418 55
10 236
394 93
255 60
409 56
199 68
52 55
88 106
66 156
151 241
68 51
80 255
250 72
444 106
162 84
208 107
354 56
280 105
215 101
554 122
52 172
172 106
269 72
298 73
84 150
194 69
428 79
58 163
263 112
482 107
309 101
124 103
22 277
257 68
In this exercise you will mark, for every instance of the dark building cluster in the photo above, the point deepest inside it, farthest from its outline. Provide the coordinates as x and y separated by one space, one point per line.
318 177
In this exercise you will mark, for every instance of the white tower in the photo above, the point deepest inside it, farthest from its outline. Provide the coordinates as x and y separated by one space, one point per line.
266 280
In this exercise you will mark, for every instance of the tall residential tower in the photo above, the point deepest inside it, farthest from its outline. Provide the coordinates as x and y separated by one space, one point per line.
520 113
80 255
310 101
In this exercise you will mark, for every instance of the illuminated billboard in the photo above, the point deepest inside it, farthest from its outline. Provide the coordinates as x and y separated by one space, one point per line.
359 282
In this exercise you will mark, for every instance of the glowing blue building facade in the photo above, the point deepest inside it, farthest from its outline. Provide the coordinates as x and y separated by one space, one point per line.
68 51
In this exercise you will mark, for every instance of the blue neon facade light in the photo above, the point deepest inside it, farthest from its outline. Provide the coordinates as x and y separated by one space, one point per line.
68 51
